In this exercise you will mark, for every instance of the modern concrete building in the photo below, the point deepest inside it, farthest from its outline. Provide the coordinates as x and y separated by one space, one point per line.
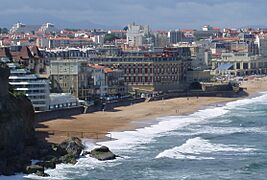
239 64
34 87
62 100
137 35
261 41
176 37
160 39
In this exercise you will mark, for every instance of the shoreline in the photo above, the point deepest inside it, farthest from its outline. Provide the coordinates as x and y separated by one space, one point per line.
138 115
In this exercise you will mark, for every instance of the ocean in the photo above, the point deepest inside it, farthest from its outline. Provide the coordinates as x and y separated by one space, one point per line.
226 141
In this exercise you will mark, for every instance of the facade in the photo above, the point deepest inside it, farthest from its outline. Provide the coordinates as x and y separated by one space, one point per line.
62 100
261 41
151 72
176 37
34 87
69 42
64 76
85 81
161 39
239 64
47 28
137 35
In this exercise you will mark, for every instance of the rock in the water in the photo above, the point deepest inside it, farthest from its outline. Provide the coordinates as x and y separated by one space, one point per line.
68 159
72 146
42 173
103 153
34 168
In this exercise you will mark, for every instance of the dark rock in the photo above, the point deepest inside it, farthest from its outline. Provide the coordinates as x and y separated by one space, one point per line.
47 164
103 153
42 174
68 159
34 168
16 128
71 146
86 153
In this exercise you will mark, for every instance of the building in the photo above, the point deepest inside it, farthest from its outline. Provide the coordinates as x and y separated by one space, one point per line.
261 41
85 81
160 39
61 42
34 87
163 71
137 35
62 100
48 28
239 64
23 28
176 37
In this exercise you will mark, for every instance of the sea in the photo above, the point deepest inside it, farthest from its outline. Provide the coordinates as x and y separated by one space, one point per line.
220 141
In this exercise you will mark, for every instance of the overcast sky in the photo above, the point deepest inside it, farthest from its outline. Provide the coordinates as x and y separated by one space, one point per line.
159 14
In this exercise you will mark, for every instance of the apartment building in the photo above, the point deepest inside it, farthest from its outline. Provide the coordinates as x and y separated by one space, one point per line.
33 86
164 71
85 81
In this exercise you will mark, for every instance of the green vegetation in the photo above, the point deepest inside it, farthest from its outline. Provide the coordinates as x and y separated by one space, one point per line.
74 30
110 37
15 93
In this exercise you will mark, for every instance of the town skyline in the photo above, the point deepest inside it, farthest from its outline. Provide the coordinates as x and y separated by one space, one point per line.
173 14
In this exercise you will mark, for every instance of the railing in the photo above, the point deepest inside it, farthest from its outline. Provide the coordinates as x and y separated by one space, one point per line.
80 134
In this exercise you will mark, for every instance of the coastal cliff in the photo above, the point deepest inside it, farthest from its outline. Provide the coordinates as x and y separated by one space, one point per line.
16 128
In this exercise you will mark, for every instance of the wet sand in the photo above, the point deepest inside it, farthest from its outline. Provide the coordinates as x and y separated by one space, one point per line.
98 124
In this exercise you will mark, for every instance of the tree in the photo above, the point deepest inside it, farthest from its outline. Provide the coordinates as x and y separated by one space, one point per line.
110 37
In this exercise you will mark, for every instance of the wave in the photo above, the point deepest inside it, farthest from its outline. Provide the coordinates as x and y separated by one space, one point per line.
128 141
198 148
196 131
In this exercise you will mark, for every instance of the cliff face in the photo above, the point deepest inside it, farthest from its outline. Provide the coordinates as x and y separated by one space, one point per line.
16 127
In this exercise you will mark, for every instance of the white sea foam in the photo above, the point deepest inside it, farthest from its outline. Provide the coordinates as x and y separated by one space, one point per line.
131 140
198 148
196 131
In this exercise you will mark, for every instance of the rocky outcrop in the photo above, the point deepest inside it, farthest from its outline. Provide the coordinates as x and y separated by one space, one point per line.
102 153
16 128
72 146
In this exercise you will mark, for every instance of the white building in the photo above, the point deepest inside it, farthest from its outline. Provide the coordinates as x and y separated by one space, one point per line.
34 87
137 35
62 100
261 41
48 28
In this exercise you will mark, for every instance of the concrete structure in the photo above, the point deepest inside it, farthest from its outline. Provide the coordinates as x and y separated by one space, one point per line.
34 87
239 64
48 28
160 39
165 71
137 35
23 28
176 37
261 41
62 100
85 81
69 42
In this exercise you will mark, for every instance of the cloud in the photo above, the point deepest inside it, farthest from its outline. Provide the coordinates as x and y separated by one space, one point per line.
160 14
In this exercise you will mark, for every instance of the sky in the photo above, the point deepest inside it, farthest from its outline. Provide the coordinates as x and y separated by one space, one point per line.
159 14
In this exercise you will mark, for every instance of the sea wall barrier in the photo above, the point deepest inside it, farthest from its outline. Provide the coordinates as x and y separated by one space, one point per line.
68 112
58 113
227 94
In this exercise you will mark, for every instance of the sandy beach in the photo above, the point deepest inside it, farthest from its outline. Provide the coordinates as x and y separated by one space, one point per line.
98 124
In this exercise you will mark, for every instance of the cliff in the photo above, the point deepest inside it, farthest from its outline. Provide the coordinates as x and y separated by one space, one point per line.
16 128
